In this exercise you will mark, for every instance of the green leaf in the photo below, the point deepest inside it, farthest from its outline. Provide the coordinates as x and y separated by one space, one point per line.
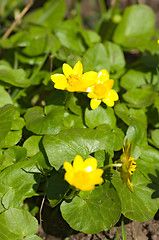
72 121
68 34
136 133
92 212
17 224
98 116
139 98
50 15
69 143
15 77
136 27
116 56
156 103
34 237
155 137
5 98
44 121
96 58
57 188
6 117
129 115
18 182
139 205
12 138
135 78
90 37
12 155
32 145
74 103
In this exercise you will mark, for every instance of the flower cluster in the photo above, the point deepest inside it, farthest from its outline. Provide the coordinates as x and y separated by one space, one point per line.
98 85
83 175
128 165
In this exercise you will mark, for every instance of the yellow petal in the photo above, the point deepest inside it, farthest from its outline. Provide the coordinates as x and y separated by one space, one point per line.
109 102
95 176
68 167
114 94
78 163
128 183
90 164
59 80
78 68
110 98
90 78
69 178
103 75
87 187
110 83
67 70
95 103
91 94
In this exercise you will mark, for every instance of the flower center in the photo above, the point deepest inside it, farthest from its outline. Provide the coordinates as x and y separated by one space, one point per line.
74 80
81 178
100 91
132 165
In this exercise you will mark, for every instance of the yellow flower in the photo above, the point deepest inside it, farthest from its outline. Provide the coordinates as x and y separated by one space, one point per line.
83 175
102 91
158 41
73 79
128 165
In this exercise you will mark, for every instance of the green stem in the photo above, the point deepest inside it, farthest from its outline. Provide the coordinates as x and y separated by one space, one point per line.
102 7
112 165
72 194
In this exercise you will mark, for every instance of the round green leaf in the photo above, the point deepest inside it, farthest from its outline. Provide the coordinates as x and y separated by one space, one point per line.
12 155
69 143
140 98
5 98
98 116
68 34
137 134
12 139
18 182
155 137
138 205
137 26
116 56
15 77
6 117
96 58
32 145
130 115
17 224
92 212
133 79
44 121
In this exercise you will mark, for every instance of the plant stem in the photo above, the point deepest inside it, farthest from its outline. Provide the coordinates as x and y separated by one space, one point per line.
112 165
102 7
27 7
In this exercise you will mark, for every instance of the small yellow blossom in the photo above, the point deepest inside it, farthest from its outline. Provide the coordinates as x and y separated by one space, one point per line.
102 91
73 79
158 41
83 175
128 165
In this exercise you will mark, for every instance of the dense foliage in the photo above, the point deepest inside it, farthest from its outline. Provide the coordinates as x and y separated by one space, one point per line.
42 127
